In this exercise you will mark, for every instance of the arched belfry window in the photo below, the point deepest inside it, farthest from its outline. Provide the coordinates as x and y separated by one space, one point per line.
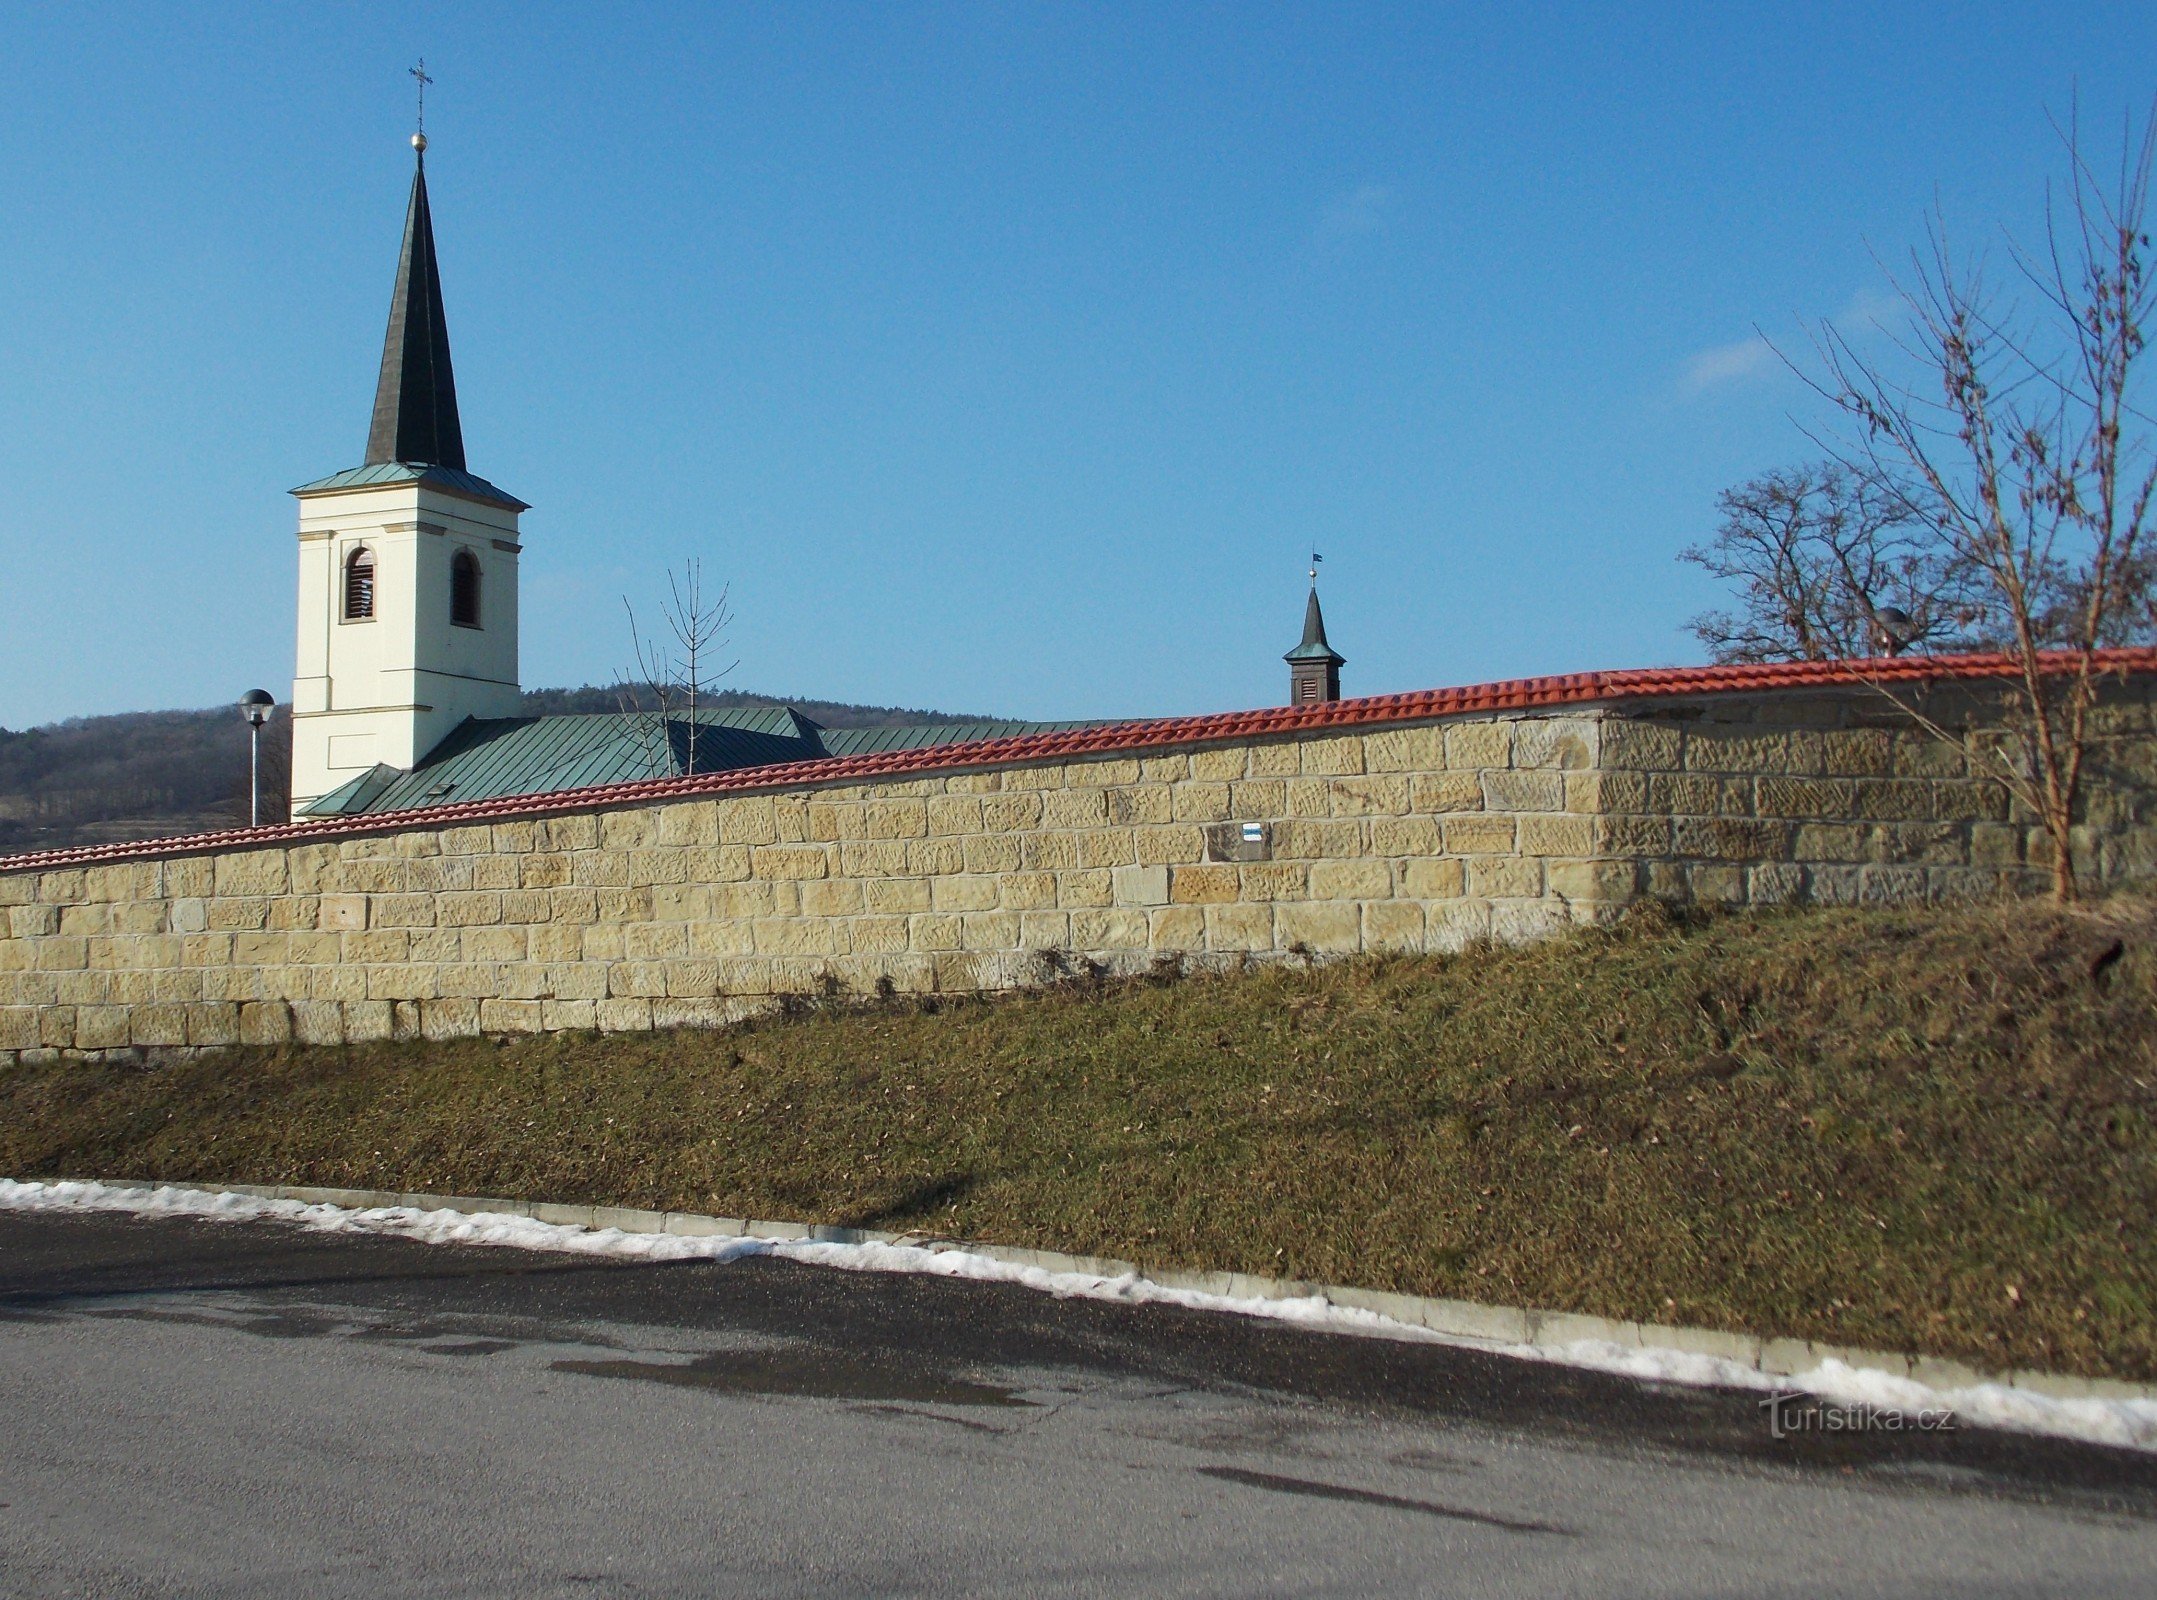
359 584
464 589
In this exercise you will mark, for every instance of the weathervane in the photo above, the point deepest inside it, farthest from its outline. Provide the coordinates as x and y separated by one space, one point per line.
1315 559
419 135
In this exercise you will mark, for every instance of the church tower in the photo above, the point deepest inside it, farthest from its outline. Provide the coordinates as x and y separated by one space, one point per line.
1314 671
408 563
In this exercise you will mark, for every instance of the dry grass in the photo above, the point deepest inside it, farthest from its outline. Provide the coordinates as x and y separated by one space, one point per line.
1919 1130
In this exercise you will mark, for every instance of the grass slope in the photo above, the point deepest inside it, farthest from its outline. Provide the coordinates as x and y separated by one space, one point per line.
1919 1130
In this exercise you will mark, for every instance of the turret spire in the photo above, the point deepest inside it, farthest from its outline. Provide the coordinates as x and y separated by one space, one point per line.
1314 670
415 401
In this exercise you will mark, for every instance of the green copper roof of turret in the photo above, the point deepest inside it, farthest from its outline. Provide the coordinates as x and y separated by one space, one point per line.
1314 646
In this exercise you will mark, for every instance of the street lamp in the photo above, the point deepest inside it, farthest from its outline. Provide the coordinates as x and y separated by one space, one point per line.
255 706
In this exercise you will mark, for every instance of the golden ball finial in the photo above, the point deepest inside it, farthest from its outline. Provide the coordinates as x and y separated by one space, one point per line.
419 143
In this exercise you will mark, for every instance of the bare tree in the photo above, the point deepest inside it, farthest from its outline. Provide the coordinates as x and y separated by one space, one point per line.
1829 563
671 673
2019 440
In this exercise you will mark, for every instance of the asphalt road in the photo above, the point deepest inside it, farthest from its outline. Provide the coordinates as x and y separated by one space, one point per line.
197 1409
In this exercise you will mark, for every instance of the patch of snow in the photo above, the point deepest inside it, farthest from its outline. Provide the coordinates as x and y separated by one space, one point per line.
2129 1423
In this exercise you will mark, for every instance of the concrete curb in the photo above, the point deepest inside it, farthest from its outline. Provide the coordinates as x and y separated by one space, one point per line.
1552 1331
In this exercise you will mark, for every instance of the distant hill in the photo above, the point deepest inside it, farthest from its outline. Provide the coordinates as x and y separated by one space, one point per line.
154 774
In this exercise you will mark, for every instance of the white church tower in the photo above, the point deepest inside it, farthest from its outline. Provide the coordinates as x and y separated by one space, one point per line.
408 563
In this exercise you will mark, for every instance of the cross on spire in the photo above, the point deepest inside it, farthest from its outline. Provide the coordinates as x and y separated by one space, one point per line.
420 72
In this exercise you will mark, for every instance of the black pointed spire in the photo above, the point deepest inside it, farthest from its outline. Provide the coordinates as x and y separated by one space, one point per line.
415 402
1314 670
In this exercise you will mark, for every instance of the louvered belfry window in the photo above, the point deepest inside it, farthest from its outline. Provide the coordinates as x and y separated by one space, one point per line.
464 589
359 585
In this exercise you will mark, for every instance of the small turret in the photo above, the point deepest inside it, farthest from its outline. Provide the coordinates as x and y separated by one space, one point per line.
1314 671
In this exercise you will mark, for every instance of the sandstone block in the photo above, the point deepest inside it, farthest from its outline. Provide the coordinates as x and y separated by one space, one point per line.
1547 834
1433 879
1177 928
1715 884
318 1021
1775 883
1710 748
778 861
990 852
1118 928
1308 797
1445 791
1505 877
1273 880
1566 743
1148 807
1140 886
989 930
599 869
895 895
1103 772
1632 745
658 865
955 813
1199 802
549 870
1202 885
339 912
1277 759
1350 880
258 872
1385 795
1479 744
1730 838
231 915
1523 790
85 919
378 948
1805 797
934 931
265 1022
493 944
18 1027
1003 813
1331 756
1328 929
623 1016
58 954
1404 749
1090 888
1238 927
39 921
1393 925
56 1027
1025 891
512 1016
1044 930
932 857
1406 836
1479 835
1219 765
1600 881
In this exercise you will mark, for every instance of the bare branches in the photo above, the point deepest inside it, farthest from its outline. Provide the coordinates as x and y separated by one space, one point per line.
1830 563
674 672
2016 445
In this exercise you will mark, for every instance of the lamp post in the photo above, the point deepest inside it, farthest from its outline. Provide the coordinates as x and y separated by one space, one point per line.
255 706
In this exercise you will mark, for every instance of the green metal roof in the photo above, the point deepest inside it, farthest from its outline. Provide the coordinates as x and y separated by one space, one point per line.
492 758
383 473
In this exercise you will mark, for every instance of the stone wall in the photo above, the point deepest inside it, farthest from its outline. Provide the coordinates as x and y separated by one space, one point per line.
700 910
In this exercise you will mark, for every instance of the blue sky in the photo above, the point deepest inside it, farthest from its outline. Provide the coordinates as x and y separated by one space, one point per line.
1006 358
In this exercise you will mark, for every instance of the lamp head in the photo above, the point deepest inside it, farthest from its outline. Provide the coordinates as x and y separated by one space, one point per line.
256 705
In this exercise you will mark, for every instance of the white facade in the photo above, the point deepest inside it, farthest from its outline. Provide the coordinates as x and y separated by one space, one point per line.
388 688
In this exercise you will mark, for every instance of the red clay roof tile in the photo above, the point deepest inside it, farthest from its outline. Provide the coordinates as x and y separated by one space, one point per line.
1519 694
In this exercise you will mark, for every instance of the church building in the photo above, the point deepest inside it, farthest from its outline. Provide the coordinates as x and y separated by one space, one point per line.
406 694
